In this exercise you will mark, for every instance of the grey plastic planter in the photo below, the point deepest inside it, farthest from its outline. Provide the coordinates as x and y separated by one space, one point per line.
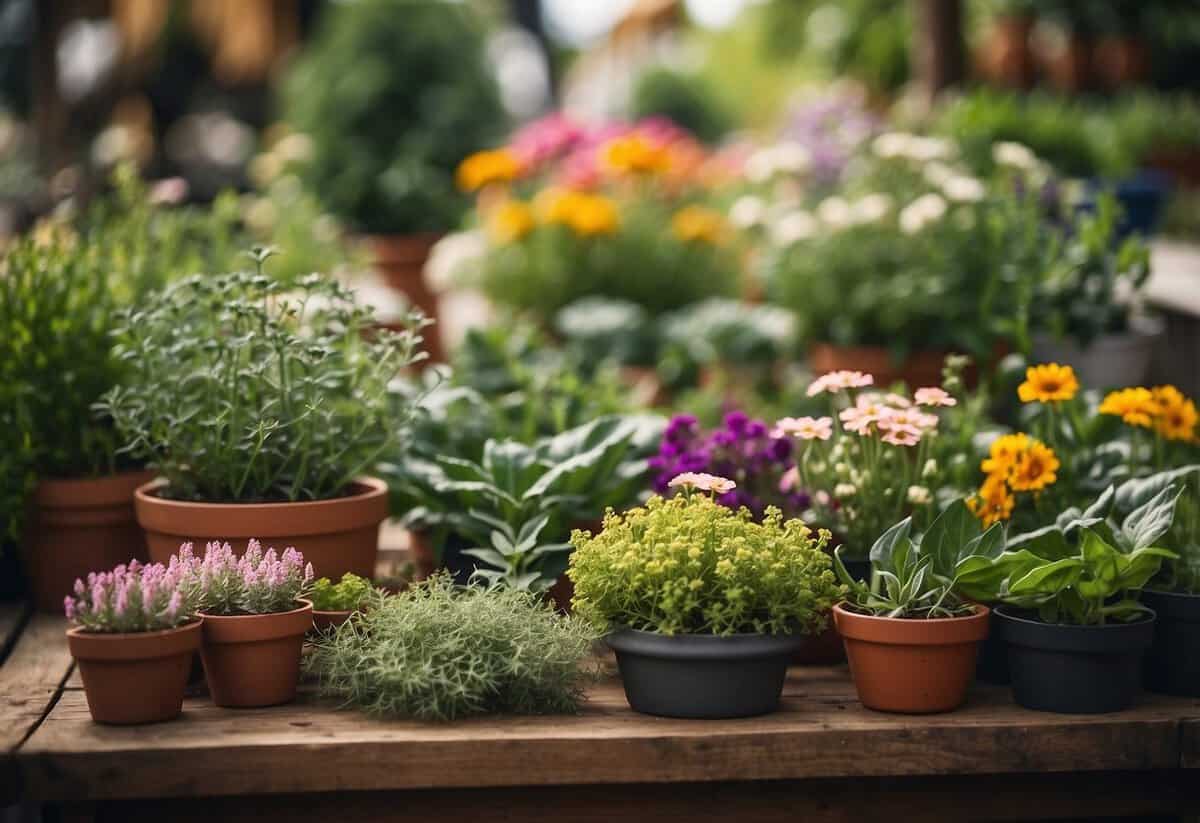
703 676
1172 665
1110 360
1075 669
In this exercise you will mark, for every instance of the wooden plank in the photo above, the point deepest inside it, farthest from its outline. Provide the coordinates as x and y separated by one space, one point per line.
30 680
988 797
12 621
821 732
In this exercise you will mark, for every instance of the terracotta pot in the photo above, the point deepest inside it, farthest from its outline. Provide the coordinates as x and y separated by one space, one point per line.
422 554
323 619
1120 60
254 659
135 678
400 260
920 369
337 536
76 527
911 666
1067 64
1007 55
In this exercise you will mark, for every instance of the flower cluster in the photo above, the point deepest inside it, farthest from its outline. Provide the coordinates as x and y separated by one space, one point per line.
690 565
1015 463
1165 409
743 449
135 598
255 583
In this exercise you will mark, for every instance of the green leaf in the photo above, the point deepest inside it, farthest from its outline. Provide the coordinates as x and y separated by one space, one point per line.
1047 579
1137 568
990 544
1133 493
1047 542
882 553
947 538
1152 519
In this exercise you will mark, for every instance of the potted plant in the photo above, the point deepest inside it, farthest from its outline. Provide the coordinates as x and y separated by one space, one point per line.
134 633
334 603
1075 630
1007 55
255 618
261 408
396 182
703 606
912 633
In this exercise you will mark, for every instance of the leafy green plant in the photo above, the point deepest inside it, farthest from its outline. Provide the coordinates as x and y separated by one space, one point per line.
607 329
436 652
932 576
392 100
720 330
687 565
349 593
241 391
685 99
1181 574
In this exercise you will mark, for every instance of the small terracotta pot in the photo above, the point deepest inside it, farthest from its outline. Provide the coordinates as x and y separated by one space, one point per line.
400 260
323 620
135 678
76 527
422 554
911 666
337 536
254 659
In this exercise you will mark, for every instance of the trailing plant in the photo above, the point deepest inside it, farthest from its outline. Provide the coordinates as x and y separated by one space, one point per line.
241 391
255 583
427 69
688 565
135 598
348 594
437 652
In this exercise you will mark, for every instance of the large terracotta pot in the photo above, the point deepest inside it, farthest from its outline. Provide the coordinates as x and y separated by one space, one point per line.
337 536
920 369
1066 64
911 666
135 678
400 260
1120 60
254 659
79 526
1007 54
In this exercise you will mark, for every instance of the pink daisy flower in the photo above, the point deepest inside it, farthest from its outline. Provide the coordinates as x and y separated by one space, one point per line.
933 396
805 428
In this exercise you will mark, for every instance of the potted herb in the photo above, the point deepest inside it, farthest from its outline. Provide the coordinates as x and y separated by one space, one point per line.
912 634
703 606
255 619
334 603
392 178
261 408
134 634
1075 629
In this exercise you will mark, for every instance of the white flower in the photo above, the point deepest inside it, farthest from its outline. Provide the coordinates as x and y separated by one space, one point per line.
1016 155
925 149
791 157
926 209
919 495
871 208
835 212
703 482
963 189
760 166
893 144
451 255
792 227
845 490
748 211
937 173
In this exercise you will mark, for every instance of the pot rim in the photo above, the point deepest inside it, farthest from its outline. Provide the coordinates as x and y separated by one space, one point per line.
252 628
1108 638
366 506
905 631
133 646
90 492
744 646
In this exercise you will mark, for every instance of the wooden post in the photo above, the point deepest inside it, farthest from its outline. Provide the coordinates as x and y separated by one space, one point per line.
939 55
49 112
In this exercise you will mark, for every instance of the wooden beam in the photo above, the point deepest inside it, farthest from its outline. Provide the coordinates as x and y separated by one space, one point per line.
939 53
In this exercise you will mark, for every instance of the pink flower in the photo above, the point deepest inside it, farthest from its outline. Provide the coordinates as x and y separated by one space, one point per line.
703 482
933 396
903 420
790 480
858 419
899 401
805 428
835 381
901 437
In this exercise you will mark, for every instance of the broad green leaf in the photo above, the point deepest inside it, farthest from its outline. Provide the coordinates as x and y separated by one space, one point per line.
1137 568
1133 493
1047 542
885 547
948 535
990 544
1047 579
1152 519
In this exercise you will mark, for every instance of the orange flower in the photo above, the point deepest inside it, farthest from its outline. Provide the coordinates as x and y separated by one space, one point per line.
510 221
1035 469
634 154
992 503
1136 406
588 215
1177 415
1004 453
1048 383
698 224
486 167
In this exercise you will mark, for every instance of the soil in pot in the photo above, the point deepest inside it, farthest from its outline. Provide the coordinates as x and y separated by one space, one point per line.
138 678
1172 665
1075 669
79 526
254 659
337 536
703 676
912 666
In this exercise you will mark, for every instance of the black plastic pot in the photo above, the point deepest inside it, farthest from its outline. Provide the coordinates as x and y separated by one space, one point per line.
1075 669
1172 666
992 664
703 676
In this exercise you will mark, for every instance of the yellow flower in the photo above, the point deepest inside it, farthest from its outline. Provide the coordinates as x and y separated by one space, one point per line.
1136 406
1048 383
586 214
634 154
1035 469
696 223
1177 414
1004 453
992 502
510 221
486 167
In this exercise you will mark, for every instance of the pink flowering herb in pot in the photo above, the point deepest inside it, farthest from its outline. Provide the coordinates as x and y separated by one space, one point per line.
135 631
255 619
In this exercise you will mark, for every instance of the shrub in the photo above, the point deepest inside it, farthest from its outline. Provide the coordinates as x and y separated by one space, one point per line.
436 652
347 594
135 598
689 565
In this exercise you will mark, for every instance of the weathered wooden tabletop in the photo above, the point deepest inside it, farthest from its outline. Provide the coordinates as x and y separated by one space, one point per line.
833 753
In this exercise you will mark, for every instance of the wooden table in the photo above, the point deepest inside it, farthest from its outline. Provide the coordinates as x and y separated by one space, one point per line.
822 757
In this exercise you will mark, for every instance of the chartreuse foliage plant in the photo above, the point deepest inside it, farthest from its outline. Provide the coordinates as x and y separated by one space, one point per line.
348 594
238 389
688 565
438 652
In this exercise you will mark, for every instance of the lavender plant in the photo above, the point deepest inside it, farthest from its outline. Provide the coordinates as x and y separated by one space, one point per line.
242 391
255 583
135 598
